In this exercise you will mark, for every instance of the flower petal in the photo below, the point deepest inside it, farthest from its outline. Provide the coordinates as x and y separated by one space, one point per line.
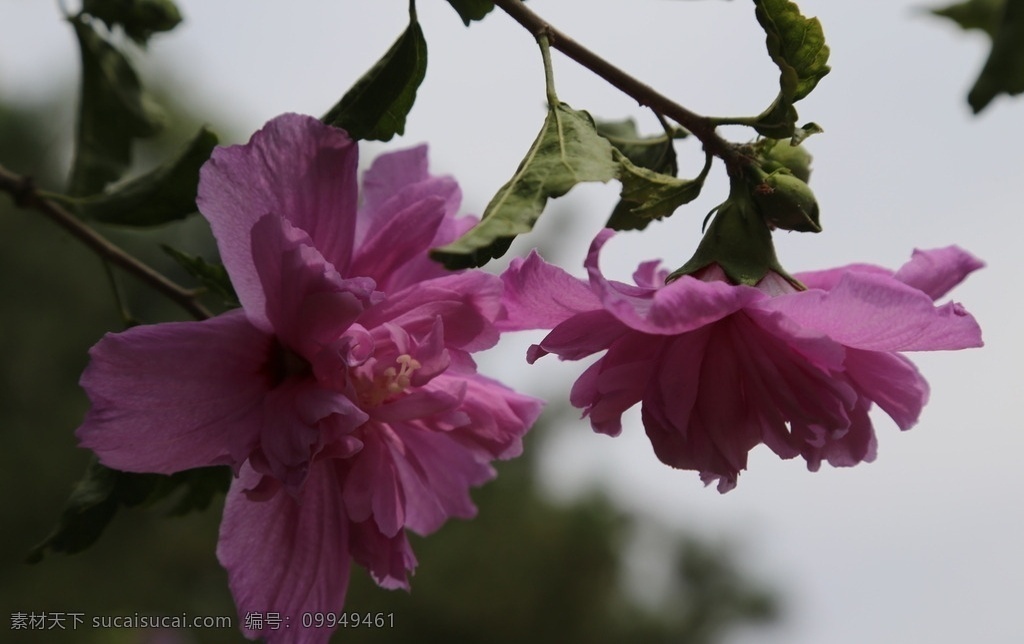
617 380
497 417
397 179
387 559
393 183
308 304
878 313
539 295
467 302
287 555
398 238
856 444
826 279
179 395
580 336
291 432
937 271
435 473
295 167
684 305
890 380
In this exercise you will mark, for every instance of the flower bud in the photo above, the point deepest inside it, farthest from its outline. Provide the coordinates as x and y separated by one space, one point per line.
786 202
778 154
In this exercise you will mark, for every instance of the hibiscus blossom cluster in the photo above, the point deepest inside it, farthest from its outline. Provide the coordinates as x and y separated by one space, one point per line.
342 393
344 396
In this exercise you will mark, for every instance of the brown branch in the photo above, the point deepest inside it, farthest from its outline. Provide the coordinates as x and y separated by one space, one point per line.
25 195
700 126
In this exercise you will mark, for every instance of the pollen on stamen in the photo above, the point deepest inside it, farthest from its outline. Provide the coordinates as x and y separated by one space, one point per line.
390 382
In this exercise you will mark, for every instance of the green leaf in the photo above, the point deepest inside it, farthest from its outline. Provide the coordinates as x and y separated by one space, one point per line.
97 497
654 153
377 105
567 151
797 45
984 15
470 10
1004 69
213 276
651 195
165 194
140 19
112 112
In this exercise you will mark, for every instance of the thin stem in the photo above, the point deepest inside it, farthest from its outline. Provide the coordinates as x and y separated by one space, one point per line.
549 72
700 126
25 195
122 304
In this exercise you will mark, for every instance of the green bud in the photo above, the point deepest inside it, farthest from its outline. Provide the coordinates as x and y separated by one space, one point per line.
778 154
786 202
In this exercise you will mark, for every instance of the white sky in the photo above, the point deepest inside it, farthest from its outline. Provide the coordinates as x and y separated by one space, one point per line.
924 545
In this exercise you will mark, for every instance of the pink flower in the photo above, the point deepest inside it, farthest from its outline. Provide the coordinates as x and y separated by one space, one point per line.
720 368
343 393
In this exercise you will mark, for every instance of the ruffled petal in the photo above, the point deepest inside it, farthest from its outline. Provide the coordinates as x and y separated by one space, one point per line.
827 278
397 238
468 304
287 555
845 448
720 391
878 313
436 473
937 271
891 381
539 295
387 559
308 304
372 488
175 396
393 183
617 380
299 418
497 417
684 305
295 167
580 336
398 179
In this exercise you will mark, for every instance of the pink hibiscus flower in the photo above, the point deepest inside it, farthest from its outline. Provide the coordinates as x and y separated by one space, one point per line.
342 393
720 368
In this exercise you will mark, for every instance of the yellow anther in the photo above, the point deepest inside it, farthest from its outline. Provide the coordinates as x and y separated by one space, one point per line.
389 382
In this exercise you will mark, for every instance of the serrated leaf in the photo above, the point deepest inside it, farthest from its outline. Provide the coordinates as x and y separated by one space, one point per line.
375 108
139 19
213 276
102 491
984 15
113 111
165 194
1004 69
470 10
567 151
652 195
797 45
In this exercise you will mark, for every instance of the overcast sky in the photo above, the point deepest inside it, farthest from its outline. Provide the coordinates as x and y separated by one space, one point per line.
924 545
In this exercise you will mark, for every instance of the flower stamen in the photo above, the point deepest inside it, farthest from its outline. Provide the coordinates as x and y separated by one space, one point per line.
388 383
